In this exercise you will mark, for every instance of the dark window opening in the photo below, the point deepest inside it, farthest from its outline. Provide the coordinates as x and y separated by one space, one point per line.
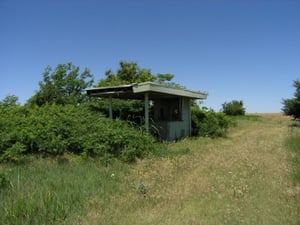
169 110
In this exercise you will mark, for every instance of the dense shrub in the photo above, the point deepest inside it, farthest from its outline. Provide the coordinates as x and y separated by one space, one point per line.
234 108
208 123
291 107
55 129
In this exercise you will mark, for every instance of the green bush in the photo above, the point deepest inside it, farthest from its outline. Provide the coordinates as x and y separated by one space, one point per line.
234 108
291 107
208 123
55 129
13 153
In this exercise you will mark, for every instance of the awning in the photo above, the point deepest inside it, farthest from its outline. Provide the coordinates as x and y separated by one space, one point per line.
138 90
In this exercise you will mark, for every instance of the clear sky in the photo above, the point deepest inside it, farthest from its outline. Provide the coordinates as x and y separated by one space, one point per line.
233 49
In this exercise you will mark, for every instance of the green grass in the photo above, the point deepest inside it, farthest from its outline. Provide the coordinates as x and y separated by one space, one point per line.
54 191
293 144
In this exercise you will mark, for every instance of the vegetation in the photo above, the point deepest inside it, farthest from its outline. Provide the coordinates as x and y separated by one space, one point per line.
204 122
9 100
292 106
64 85
198 181
194 181
293 143
59 129
208 123
128 73
234 108
56 129
55 191
60 118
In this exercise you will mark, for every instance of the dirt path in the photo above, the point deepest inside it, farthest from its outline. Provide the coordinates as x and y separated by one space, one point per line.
242 179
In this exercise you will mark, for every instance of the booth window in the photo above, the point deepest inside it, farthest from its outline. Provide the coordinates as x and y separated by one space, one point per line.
170 110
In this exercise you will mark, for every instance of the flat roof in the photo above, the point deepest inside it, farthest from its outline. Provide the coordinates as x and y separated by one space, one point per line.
138 90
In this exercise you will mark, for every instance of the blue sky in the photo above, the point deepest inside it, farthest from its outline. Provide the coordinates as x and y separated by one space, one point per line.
233 49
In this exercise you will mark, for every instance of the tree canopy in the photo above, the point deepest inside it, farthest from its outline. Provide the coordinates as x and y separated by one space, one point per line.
66 83
234 108
291 107
9 100
63 85
130 72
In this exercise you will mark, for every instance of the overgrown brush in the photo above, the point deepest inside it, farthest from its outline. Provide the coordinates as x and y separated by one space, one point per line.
208 123
55 129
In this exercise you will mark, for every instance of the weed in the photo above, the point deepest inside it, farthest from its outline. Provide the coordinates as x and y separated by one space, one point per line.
143 188
4 181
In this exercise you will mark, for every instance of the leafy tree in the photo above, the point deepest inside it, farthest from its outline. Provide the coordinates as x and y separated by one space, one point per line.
292 106
9 100
128 73
234 108
63 85
163 78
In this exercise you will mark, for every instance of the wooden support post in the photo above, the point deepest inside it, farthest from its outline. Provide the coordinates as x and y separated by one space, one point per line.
110 107
147 111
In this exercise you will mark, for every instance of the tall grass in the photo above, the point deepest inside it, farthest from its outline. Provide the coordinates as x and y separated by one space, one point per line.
54 191
293 143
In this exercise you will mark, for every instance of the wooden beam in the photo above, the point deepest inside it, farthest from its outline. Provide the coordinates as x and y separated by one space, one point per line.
147 111
110 107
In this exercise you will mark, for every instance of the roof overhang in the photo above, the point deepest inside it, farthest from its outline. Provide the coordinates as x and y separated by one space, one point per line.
138 90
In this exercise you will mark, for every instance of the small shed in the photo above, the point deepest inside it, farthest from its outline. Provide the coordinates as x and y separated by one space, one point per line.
171 105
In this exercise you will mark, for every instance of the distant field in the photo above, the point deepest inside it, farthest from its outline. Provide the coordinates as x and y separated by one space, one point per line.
246 178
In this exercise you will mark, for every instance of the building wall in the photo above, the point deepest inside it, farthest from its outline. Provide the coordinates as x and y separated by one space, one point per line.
172 118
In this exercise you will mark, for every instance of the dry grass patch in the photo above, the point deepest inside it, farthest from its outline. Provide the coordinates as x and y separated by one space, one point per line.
242 179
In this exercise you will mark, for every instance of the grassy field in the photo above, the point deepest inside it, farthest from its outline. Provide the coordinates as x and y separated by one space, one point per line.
250 177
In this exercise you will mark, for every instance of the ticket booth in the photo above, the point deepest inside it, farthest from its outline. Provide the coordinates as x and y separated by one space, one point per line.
171 106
